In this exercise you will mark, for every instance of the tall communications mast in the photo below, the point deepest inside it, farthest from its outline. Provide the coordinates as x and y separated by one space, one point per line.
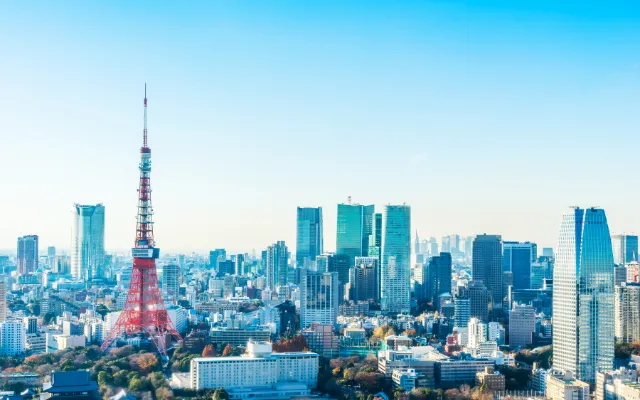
144 314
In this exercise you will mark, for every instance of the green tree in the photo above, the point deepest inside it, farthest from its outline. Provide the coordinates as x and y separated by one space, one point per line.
220 394
102 310
104 379
120 378
48 317
157 379
136 385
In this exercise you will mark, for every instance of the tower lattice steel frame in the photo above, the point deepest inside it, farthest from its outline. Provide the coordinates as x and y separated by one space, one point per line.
144 313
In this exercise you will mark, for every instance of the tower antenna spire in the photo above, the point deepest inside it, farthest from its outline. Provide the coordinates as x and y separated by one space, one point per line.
144 313
144 131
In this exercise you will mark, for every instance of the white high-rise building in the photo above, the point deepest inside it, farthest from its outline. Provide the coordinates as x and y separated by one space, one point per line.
395 293
12 338
477 333
171 282
583 295
318 298
3 301
87 244
627 312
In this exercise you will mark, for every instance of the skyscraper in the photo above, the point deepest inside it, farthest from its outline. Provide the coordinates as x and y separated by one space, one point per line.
341 265
517 259
396 258
522 325
3 301
440 275
318 298
627 312
27 259
625 248
216 256
583 295
51 257
277 265
355 222
363 280
87 243
487 267
171 281
309 238
479 300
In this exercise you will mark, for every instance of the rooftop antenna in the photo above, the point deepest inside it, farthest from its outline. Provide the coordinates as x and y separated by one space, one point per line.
144 132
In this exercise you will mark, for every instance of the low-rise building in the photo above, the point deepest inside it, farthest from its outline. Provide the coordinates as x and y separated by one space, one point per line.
538 379
395 341
238 336
283 390
621 384
490 380
70 341
455 372
406 380
259 367
561 385
75 385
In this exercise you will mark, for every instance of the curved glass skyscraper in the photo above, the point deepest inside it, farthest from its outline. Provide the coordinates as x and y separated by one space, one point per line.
87 247
583 294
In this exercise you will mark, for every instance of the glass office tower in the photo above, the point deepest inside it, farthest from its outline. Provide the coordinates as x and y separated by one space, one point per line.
87 247
395 294
583 295
354 226
309 241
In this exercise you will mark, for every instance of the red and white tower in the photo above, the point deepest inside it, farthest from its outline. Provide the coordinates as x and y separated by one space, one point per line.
144 313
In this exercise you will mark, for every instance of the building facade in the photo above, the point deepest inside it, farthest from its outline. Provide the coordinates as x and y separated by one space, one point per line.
258 368
171 282
583 295
364 280
627 312
487 267
439 272
625 248
522 325
12 338
354 226
318 298
517 259
87 242
3 301
309 236
27 258
277 268
395 289
561 385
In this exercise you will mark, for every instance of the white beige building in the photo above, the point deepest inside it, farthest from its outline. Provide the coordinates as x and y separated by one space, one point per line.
259 367
621 384
562 386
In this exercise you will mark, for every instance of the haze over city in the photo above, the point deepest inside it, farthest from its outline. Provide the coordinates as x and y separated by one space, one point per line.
483 116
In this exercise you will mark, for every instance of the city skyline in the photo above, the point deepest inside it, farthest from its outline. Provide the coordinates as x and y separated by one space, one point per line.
275 89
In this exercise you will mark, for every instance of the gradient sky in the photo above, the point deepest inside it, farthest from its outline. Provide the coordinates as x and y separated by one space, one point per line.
484 116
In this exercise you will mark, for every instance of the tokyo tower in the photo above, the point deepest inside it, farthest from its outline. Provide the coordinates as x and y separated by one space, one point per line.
144 313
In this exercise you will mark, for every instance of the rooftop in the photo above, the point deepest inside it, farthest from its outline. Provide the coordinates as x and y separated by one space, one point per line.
70 381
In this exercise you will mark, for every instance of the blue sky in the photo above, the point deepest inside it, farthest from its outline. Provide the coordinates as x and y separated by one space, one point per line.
485 116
